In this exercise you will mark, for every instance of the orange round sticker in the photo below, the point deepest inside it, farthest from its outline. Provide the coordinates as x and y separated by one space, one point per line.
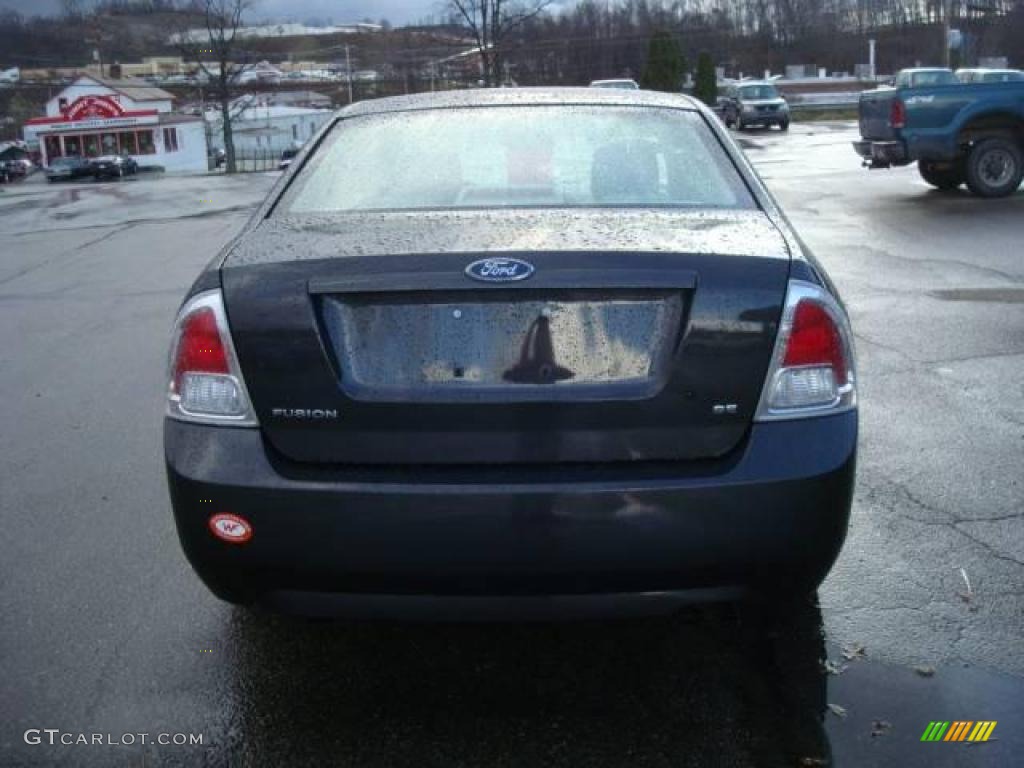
230 528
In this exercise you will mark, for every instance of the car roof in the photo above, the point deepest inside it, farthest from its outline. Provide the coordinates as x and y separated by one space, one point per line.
522 97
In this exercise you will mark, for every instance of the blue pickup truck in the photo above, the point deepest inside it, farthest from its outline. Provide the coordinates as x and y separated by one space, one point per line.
957 132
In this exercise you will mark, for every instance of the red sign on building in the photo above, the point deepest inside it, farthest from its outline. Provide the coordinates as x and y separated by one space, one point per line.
93 106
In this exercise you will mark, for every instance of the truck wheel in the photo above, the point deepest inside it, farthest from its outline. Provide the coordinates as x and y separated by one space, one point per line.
944 178
784 125
995 167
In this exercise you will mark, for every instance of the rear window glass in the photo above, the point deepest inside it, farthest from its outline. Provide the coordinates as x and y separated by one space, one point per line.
1003 77
925 79
504 157
759 92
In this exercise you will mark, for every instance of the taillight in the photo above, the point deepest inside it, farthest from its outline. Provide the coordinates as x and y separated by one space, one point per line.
898 114
812 369
205 383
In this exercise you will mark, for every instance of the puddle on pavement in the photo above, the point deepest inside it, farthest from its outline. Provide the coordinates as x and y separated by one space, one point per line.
994 295
888 709
714 687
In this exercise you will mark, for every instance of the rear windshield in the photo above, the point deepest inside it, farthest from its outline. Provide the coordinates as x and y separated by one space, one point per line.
925 79
1003 77
753 92
505 157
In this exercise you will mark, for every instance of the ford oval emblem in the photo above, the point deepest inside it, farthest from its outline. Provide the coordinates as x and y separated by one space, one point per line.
499 270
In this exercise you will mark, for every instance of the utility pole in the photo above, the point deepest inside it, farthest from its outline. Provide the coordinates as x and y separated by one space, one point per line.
348 73
946 11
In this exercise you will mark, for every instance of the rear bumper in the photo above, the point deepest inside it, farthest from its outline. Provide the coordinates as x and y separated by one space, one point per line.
773 118
514 542
881 154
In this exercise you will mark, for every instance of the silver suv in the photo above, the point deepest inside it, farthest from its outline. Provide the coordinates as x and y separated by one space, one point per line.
754 103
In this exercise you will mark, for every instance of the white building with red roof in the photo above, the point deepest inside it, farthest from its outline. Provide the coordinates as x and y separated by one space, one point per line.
97 116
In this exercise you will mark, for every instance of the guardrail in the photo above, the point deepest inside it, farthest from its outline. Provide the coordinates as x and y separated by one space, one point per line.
822 105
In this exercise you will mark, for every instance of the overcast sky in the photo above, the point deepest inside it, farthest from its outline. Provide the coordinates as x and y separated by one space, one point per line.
340 11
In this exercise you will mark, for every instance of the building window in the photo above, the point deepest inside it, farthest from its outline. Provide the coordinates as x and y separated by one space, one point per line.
92 145
295 131
146 146
312 129
72 145
170 139
108 141
62 104
128 144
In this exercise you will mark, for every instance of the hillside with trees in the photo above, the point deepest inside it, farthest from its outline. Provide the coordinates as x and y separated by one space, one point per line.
544 43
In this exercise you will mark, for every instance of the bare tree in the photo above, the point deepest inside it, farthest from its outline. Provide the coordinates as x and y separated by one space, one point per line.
214 48
490 22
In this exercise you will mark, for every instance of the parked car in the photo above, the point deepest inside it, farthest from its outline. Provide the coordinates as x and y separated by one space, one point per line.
955 132
114 166
989 75
13 169
71 167
720 107
21 165
625 84
286 158
573 361
754 103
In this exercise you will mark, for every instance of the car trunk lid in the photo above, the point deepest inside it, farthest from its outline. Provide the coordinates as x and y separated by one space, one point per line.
639 336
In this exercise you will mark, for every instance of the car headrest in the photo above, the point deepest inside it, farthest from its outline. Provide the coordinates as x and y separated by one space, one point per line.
625 171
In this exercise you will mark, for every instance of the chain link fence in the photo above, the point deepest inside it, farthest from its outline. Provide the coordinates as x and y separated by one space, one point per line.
255 160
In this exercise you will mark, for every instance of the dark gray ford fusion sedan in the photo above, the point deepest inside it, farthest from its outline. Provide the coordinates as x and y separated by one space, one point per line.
512 353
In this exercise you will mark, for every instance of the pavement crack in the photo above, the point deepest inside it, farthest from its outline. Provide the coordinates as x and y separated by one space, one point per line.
887 347
970 358
246 208
986 546
65 254
951 520
955 262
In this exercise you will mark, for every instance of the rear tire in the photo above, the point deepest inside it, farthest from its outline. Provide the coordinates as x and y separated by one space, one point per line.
784 125
946 179
995 167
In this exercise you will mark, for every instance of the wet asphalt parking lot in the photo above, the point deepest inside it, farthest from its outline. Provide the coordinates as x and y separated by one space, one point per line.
106 631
